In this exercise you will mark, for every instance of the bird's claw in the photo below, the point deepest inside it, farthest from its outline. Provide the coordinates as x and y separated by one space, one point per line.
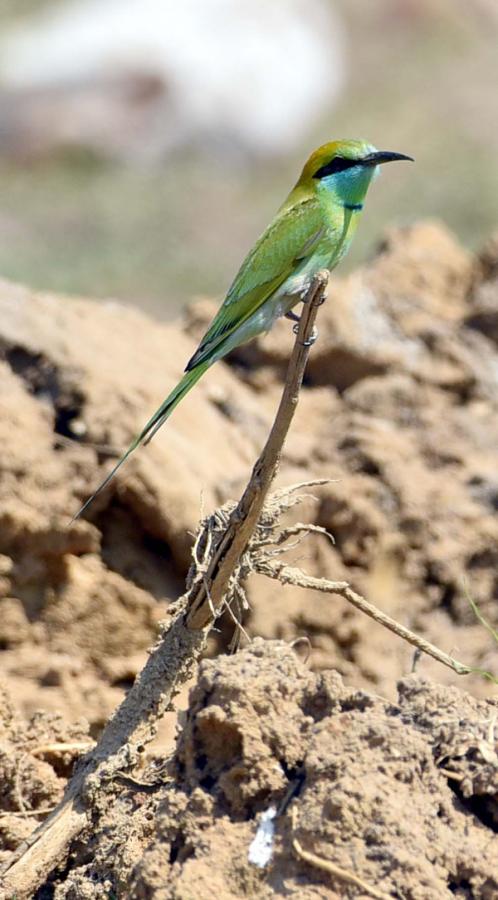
312 338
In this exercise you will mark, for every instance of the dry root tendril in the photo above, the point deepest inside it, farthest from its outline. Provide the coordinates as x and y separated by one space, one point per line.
269 541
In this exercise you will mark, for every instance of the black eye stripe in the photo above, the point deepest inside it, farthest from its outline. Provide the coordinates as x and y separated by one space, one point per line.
337 164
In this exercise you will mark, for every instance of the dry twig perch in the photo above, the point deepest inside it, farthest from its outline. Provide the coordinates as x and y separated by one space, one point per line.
171 661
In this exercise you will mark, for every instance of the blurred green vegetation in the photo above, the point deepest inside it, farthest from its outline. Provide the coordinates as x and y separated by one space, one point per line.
423 84
15 9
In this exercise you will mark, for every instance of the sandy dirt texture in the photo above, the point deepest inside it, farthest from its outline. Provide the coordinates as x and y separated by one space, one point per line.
401 796
399 411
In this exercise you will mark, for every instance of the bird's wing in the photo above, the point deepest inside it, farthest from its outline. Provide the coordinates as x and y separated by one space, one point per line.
290 239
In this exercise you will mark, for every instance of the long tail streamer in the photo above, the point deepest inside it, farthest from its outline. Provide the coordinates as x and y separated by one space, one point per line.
152 426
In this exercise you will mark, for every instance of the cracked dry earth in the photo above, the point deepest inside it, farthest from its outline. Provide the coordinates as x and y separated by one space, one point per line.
396 786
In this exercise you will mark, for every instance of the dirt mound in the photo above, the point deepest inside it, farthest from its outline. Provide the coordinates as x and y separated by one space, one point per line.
341 769
399 409
361 797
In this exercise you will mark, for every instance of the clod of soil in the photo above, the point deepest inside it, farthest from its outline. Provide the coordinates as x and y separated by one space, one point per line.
402 797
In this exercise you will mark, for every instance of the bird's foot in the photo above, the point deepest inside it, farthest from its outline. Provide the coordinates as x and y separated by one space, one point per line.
312 338
318 299
296 319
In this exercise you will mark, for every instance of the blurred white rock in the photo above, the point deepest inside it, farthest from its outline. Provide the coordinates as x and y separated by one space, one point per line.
137 78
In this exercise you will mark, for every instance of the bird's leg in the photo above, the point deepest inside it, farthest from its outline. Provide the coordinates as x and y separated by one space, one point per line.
292 316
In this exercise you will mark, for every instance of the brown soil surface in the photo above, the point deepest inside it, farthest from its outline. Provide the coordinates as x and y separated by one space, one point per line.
399 409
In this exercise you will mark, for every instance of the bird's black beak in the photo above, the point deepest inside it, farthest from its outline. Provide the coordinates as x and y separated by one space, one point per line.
383 156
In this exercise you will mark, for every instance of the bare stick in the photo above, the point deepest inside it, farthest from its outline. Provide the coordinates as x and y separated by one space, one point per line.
171 661
121 744
290 575
245 517
326 865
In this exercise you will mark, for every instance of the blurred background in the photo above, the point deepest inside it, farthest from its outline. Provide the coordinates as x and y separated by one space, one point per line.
144 144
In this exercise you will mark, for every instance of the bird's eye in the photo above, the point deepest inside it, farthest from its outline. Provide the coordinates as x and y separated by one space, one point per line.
337 164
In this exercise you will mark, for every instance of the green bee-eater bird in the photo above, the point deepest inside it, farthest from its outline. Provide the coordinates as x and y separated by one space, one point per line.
312 230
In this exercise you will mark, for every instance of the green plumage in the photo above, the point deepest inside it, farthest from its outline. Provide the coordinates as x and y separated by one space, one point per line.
312 230
290 239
